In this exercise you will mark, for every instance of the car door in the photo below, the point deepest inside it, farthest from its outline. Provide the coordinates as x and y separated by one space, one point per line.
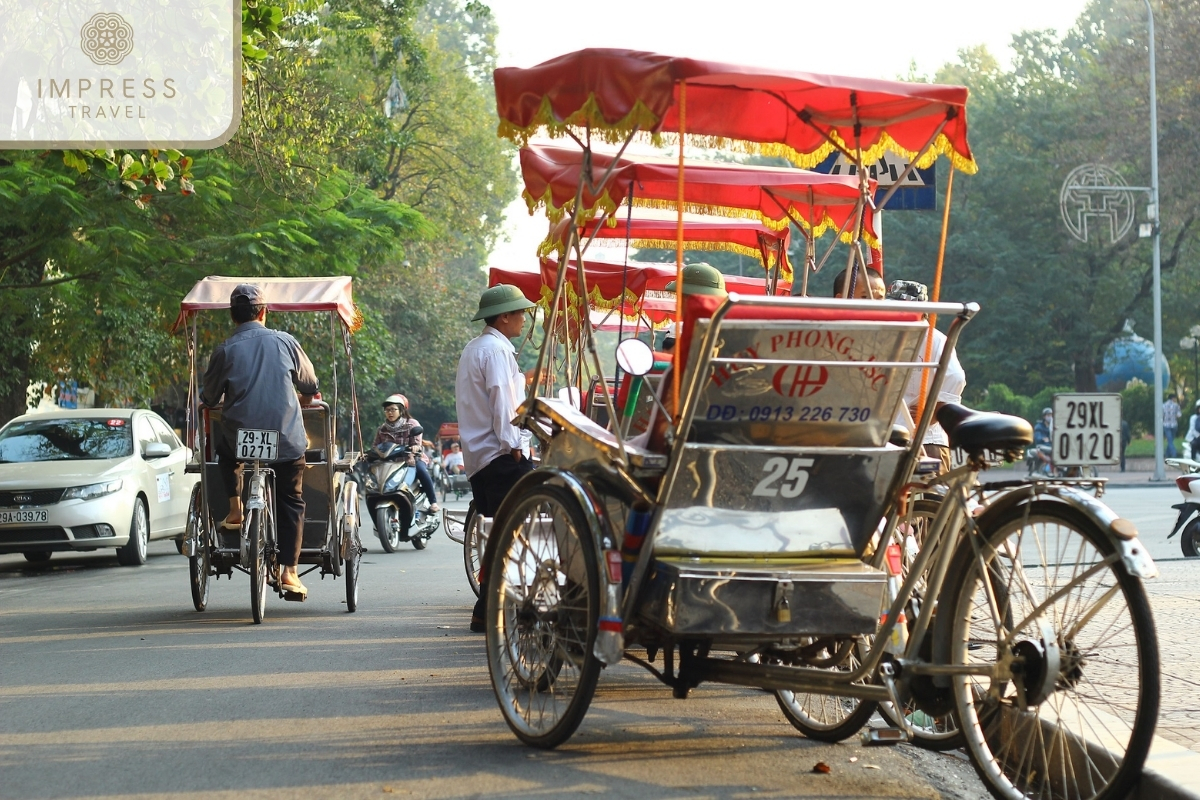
173 488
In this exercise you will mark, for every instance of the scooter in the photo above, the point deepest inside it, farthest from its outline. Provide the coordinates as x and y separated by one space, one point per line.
1187 525
398 506
1037 460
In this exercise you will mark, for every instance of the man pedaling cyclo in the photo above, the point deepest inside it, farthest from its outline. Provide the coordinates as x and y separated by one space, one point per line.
258 372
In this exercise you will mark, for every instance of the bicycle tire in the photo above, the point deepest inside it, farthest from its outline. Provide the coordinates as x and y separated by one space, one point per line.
471 552
198 565
1108 649
258 565
541 625
827 718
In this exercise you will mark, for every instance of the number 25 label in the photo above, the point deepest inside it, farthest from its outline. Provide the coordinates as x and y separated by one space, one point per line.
794 475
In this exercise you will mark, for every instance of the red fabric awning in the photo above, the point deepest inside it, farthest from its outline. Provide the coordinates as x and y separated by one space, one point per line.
768 194
644 285
282 294
611 92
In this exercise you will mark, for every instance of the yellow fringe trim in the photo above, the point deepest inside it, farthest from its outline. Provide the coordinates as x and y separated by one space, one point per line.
596 302
587 117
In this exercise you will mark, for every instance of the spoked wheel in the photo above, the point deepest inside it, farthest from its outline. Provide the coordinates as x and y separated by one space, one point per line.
935 727
198 565
387 524
258 564
352 549
1071 708
543 613
473 544
827 718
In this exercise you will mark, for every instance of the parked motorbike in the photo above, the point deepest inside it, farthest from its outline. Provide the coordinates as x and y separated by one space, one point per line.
399 509
1187 525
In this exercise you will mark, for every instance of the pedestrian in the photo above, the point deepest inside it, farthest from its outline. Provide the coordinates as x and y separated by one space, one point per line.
1192 439
1126 436
257 372
1170 421
488 388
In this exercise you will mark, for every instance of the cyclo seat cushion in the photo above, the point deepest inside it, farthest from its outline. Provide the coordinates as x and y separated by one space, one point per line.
975 431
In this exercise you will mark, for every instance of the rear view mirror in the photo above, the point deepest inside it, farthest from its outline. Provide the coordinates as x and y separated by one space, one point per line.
635 357
156 450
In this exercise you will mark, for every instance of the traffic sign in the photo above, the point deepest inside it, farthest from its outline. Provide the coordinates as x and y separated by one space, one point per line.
917 193
1087 429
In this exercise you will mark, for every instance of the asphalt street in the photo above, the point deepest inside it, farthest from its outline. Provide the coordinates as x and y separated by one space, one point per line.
111 685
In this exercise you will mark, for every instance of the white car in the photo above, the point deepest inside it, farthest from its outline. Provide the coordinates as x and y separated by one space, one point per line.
84 479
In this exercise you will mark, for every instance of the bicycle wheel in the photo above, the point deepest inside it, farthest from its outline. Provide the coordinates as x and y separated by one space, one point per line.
258 564
1071 710
543 616
473 545
935 727
823 717
353 562
198 565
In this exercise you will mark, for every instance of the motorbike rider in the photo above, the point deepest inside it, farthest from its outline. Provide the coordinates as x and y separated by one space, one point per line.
402 429
1042 439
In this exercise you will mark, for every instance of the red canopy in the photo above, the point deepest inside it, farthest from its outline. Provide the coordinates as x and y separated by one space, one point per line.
769 194
743 236
644 285
282 294
786 113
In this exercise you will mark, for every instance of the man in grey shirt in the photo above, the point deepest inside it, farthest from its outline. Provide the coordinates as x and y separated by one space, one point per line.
258 371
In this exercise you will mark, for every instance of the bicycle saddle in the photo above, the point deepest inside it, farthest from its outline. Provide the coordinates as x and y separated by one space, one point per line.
974 431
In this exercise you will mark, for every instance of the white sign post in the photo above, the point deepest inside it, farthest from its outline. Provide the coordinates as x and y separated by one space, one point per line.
1087 430
99 74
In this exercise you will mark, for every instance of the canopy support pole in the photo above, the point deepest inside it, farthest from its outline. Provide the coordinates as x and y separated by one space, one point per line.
679 249
937 291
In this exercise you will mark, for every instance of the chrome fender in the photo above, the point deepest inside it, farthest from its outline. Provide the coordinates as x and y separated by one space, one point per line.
1122 533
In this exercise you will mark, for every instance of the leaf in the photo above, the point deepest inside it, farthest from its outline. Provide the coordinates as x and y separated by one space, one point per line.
820 767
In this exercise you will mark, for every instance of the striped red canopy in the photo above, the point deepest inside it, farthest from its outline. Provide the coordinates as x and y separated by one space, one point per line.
799 115
771 195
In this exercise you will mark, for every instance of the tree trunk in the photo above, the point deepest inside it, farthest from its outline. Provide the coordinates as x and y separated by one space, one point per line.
1085 373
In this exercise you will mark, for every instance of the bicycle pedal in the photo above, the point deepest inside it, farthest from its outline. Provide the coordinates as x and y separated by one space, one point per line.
295 597
884 736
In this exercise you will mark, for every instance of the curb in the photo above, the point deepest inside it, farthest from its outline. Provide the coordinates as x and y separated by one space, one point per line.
1172 772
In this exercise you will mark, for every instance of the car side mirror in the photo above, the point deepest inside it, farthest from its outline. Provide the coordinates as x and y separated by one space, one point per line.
635 357
156 450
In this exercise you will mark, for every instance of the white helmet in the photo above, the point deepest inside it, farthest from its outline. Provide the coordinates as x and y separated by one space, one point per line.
396 400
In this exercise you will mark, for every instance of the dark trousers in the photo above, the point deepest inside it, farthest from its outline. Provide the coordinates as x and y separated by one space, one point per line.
489 487
425 481
289 499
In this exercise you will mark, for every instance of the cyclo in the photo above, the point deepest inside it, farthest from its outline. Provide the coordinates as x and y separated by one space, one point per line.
785 538
331 541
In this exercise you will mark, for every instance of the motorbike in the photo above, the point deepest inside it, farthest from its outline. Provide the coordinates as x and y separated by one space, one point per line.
1037 460
1187 525
398 506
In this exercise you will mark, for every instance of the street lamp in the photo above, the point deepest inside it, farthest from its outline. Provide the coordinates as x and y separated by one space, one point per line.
1159 468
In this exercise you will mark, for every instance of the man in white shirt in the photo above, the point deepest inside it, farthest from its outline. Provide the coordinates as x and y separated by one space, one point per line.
488 389
453 462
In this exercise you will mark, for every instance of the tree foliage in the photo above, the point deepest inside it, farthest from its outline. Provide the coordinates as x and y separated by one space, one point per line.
98 247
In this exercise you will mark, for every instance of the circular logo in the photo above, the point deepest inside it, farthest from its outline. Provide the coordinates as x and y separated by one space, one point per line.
22 498
106 39
800 380
1094 197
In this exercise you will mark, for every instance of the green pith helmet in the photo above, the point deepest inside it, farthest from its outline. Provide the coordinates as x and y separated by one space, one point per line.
701 279
501 299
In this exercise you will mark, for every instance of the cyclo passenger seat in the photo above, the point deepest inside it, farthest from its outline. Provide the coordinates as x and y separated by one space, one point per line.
782 473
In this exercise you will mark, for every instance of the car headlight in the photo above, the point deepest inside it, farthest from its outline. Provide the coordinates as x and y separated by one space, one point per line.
92 491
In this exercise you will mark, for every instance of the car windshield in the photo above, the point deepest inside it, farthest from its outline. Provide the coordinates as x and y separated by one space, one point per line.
65 440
